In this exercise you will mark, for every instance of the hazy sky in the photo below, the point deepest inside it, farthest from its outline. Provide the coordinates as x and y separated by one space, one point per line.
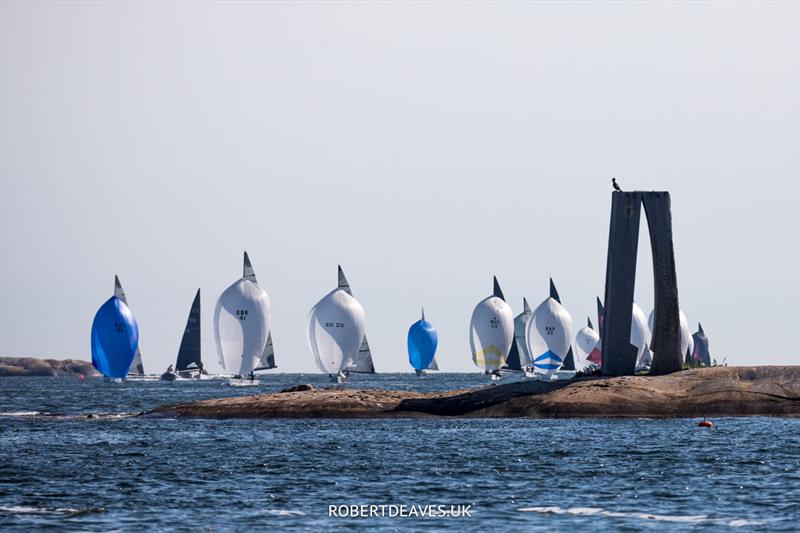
424 146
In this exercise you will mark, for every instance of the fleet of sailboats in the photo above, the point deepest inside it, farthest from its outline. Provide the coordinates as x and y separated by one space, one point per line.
538 343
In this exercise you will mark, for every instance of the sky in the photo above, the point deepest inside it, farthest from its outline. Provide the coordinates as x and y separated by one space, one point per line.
425 147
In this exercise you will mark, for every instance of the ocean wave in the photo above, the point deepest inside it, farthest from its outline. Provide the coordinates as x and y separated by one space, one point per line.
21 413
26 509
597 511
285 512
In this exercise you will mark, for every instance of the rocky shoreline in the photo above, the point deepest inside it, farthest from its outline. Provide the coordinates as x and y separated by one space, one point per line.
31 366
718 391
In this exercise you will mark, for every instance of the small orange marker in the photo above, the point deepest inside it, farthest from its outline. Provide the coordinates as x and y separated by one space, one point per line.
706 423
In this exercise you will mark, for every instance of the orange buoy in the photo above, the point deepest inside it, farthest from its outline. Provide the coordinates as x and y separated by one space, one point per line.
705 424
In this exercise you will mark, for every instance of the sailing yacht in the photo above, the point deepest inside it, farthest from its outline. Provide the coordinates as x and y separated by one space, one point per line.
491 332
336 332
549 336
241 323
519 358
422 342
189 363
115 337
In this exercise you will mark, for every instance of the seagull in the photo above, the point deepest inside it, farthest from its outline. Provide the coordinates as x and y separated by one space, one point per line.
614 184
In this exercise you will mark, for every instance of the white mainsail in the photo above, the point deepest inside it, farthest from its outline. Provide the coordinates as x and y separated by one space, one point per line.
335 330
586 341
686 342
640 334
520 333
361 362
434 365
241 323
549 337
137 368
491 331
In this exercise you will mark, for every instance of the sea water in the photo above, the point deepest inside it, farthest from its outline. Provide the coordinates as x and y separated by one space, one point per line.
72 458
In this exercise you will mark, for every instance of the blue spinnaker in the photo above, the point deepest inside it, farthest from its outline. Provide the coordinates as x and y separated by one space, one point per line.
422 342
115 337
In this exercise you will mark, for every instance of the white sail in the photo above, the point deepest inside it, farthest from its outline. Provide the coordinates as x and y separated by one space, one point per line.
686 343
241 326
335 330
434 365
640 333
586 340
549 337
491 333
521 335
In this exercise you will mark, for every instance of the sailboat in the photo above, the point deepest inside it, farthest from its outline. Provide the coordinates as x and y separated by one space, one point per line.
549 336
700 354
686 343
361 362
136 368
189 363
597 355
422 342
519 358
640 337
115 337
587 347
241 323
336 331
491 332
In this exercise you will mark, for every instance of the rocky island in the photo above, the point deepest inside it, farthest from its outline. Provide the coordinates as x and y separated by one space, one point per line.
717 391
31 366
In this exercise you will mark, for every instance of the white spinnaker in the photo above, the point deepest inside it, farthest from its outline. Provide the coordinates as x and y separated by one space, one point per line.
549 336
640 332
585 341
335 330
521 337
241 326
687 342
491 332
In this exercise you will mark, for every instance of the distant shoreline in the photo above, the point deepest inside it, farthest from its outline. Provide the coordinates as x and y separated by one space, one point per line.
716 391
32 366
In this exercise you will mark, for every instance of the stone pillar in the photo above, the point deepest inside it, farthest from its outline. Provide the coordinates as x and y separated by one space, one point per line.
666 340
619 356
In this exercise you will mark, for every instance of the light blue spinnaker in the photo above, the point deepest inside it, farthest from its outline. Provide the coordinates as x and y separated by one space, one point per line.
422 342
115 337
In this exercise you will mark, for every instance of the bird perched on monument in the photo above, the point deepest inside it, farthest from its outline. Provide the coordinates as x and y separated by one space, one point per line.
615 185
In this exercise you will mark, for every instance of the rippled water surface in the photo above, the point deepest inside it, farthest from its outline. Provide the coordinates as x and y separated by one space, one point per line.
62 469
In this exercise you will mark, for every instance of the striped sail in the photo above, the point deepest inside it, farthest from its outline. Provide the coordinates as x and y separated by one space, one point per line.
549 337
